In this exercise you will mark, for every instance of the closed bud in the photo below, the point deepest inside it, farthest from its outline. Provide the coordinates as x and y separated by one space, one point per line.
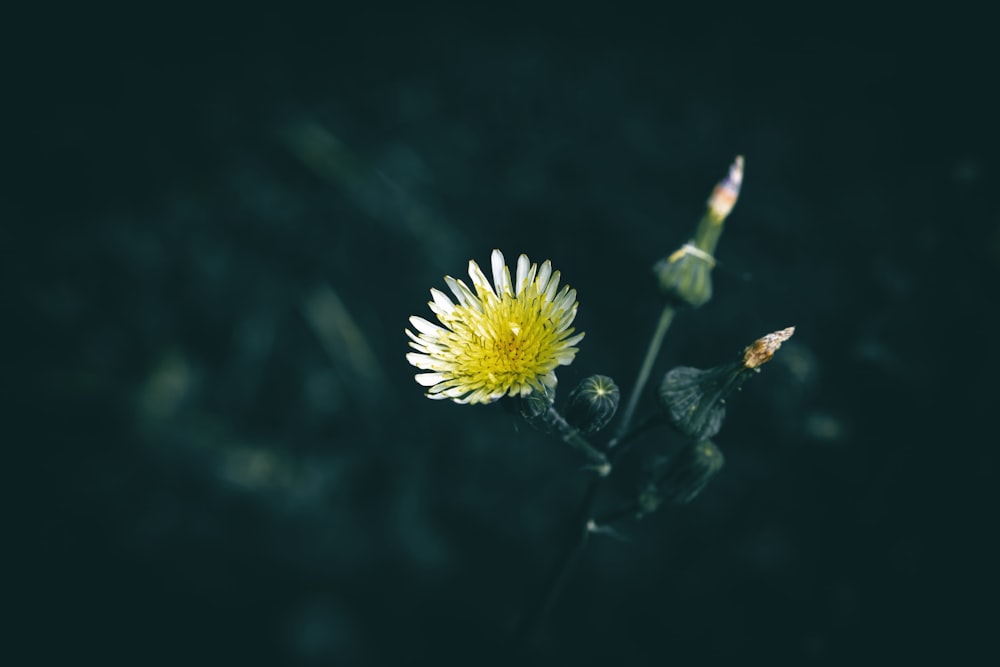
592 404
680 478
689 471
694 400
686 275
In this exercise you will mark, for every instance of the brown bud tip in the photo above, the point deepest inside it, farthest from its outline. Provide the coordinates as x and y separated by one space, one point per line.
764 348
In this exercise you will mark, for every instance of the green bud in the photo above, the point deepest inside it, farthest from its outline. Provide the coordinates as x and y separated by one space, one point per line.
680 478
592 404
694 400
691 470
686 276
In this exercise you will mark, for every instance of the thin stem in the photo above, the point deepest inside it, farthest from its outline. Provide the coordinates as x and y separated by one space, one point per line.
572 436
601 464
532 623
621 444
666 317
627 510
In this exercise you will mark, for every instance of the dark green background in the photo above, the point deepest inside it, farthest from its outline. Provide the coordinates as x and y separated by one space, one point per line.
208 483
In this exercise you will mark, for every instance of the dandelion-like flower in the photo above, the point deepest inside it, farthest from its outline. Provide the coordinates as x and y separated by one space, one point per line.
504 339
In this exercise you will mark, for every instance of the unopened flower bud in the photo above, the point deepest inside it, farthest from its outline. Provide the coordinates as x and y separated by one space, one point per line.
686 275
592 404
686 473
694 400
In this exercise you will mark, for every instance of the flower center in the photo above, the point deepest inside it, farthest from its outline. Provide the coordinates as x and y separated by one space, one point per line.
509 344
512 350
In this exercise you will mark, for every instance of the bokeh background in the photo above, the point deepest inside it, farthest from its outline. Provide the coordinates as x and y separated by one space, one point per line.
220 223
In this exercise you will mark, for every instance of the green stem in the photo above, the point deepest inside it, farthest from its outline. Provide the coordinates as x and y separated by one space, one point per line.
622 512
622 443
532 623
601 464
666 318
571 436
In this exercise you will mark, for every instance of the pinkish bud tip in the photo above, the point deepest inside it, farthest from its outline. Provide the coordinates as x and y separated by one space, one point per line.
726 193
735 179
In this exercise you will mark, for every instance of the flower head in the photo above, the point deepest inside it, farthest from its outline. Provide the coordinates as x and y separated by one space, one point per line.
504 339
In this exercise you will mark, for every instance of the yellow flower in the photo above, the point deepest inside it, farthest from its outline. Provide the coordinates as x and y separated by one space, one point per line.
504 339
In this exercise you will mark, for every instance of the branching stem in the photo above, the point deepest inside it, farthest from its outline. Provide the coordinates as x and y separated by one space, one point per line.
532 623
